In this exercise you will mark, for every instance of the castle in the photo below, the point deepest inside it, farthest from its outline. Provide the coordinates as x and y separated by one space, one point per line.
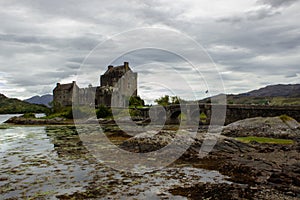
117 85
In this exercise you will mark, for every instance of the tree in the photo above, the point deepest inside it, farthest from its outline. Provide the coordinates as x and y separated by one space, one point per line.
163 101
136 101
175 100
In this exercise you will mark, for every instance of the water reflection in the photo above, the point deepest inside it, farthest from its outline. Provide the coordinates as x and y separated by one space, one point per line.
30 166
66 141
3 118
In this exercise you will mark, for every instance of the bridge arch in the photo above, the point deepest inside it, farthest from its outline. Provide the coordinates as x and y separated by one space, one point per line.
173 116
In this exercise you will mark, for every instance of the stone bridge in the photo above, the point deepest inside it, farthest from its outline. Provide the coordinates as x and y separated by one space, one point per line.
173 113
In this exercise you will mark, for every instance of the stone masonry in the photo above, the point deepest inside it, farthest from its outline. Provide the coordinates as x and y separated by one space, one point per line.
117 84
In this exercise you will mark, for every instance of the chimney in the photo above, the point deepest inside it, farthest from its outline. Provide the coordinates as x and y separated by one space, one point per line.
126 65
110 67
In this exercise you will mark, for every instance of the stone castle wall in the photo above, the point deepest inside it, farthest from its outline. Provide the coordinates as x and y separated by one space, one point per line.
117 84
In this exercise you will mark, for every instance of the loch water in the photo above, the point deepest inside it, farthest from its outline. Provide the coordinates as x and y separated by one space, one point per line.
50 162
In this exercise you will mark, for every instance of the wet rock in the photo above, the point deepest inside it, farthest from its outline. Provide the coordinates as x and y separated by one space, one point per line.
214 191
231 191
37 121
289 175
263 127
229 145
147 142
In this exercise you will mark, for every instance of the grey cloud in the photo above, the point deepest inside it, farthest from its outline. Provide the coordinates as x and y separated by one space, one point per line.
145 87
291 75
49 41
231 19
277 3
76 60
252 15
77 43
41 79
22 38
261 14
262 40
263 69
146 56
228 77
72 65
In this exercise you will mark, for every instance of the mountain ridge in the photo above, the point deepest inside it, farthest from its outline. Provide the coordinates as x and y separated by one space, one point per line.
279 95
42 100
14 106
279 90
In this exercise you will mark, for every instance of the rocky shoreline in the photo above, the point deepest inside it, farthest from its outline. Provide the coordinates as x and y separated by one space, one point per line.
21 120
38 121
258 170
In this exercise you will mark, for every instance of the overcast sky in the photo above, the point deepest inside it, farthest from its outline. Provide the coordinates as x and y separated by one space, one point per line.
252 43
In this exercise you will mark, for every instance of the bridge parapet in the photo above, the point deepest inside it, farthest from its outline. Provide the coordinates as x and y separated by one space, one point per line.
238 112
234 112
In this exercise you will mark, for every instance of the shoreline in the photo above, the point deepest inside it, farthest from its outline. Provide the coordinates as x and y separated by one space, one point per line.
255 169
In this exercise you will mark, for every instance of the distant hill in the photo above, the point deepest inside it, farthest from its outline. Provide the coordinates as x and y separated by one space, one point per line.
12 106
43 100
270 95
291 90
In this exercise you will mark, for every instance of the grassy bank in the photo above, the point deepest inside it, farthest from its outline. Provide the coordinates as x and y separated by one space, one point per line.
265 140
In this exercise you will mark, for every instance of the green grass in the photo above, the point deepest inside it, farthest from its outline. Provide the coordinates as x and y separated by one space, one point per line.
282 101
264 140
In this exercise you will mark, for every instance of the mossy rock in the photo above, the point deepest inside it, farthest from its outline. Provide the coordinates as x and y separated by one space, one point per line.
286 118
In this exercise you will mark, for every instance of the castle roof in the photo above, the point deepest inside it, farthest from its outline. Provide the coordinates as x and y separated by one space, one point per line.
67 86
119 69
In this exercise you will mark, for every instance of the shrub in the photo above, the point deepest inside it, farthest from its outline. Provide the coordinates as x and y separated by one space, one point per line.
134 113
68 113
103 112
29 115
64 113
